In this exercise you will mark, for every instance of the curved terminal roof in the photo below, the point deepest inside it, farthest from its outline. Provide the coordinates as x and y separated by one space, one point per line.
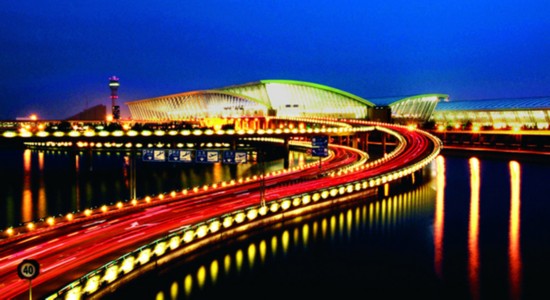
288 98
417 108
498 113
320 87
496 104
209 103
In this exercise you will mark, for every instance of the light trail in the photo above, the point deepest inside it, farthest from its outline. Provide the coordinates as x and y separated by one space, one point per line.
77 250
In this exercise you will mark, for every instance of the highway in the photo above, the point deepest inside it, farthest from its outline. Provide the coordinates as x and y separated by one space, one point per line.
69 250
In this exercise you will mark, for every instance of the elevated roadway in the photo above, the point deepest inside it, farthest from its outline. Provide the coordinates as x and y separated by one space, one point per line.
69 250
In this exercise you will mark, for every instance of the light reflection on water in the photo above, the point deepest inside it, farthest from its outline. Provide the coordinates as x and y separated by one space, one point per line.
514 231
51 183
374 218
29 195
462 268
473 229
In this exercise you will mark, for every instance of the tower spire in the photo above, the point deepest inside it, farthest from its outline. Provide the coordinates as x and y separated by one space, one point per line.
113 85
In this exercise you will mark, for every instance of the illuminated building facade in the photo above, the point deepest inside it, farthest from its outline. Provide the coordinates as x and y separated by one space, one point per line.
533 113
290 98
286 98
411 109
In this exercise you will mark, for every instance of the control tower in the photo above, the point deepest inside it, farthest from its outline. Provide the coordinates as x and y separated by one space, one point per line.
113 85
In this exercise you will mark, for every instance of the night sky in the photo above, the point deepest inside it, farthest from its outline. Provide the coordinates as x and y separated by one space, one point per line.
56 56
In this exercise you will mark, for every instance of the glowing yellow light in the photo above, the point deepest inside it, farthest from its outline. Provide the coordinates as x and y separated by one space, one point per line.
70 216
103 133
50 221
88 212
111 273
127 265
30 226
174 242
134 202
104 208
286 204
263 210
316 197
160 248
119 205
92 284
227 221
214 226
240 217
202 231
252 214
188 236
274 207
118 133
26 134
144 256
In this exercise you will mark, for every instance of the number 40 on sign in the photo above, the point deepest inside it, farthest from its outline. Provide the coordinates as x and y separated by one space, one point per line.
28 269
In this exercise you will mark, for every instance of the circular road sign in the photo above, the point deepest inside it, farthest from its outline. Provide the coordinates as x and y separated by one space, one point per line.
28 269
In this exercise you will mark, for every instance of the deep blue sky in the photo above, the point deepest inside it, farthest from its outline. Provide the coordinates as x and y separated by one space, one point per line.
56 56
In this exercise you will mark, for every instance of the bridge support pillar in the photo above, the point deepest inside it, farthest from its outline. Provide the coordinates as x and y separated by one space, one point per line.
286 161
355 142
384 136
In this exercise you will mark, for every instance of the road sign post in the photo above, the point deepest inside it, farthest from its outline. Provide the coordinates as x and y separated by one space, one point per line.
28 269
319 148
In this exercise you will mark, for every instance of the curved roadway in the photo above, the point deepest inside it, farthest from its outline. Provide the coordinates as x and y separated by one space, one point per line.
70 250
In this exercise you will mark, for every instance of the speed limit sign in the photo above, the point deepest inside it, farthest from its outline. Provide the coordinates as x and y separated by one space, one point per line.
28 269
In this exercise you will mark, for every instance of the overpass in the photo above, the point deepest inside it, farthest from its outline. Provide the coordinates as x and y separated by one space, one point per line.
126 241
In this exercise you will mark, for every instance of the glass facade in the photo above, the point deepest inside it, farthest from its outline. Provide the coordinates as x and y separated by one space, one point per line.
195 104
417 109
289 98
267 97
497 113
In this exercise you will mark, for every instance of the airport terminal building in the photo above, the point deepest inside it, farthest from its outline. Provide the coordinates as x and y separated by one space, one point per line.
291 98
